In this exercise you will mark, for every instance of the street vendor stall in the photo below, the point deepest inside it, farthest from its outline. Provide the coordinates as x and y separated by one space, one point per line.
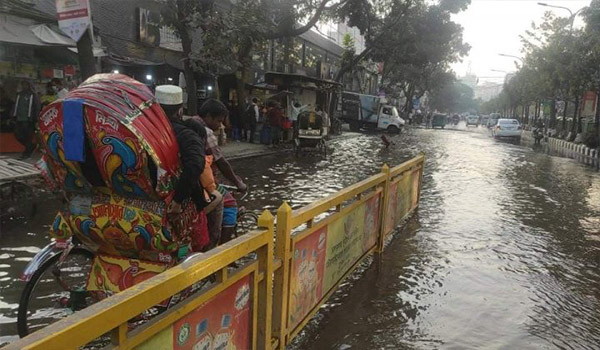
312 94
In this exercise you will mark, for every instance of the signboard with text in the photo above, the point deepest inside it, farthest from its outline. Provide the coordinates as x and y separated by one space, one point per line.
223 322
153 31
589 104
323 257
73 17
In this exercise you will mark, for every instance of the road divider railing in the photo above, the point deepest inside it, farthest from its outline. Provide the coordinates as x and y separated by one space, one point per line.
289 273
233 311
320 244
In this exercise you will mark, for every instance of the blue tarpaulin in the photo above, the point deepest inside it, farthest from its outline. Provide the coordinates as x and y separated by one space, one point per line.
74 133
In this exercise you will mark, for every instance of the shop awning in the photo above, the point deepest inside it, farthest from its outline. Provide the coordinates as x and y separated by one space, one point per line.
98 51
128 61
13 32
299 80
49 36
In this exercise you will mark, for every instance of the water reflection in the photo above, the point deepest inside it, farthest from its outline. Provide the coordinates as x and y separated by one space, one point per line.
499 257
504 252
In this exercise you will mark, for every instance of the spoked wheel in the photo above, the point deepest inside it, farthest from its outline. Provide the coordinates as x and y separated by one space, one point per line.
246 222
55 291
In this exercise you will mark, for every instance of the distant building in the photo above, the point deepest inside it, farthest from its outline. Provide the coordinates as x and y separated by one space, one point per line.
487 91
470 80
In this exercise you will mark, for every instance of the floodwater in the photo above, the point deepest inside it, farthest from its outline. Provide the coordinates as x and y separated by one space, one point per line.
503 253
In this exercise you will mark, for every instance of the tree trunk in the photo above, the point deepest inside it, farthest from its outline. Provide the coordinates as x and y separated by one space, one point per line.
579 121
85 54
597 119
186 43
240 90
240 85
572 134
564 121
552 122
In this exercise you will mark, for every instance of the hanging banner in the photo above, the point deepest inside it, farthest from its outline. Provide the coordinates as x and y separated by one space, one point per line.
589 104
73 17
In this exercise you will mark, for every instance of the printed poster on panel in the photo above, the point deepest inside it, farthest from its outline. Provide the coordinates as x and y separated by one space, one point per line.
344 245
371 224
404 197
415 188
224 322
392 208
306 284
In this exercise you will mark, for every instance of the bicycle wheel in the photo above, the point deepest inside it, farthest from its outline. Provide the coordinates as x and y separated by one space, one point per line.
55 291
246 222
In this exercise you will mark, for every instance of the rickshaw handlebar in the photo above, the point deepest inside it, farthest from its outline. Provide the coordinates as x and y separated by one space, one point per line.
235 189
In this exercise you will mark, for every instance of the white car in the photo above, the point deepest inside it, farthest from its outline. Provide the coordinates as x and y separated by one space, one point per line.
507 128
472 120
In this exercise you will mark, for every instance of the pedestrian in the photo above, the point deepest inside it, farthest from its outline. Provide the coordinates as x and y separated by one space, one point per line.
251 117
6 108
275 121
234 119
50 95
26 110
59 89
212 114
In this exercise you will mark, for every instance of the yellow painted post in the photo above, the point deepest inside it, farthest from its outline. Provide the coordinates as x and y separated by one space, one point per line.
281 280
118 336
265 289
382 217
421 179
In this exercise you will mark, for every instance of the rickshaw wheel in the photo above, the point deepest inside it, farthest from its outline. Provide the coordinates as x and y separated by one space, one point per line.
45 299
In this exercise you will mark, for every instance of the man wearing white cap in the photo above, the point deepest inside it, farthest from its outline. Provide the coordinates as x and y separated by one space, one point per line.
191 150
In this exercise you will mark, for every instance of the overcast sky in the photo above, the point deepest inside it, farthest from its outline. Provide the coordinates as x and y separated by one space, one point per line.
493 26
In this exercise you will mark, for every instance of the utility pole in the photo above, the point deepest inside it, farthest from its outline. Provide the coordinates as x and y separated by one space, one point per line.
85 54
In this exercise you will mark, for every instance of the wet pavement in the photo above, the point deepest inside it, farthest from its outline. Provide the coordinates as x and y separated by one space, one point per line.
503 252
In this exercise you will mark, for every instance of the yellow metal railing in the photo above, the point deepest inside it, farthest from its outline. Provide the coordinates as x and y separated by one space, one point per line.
317 255
113 314
274 295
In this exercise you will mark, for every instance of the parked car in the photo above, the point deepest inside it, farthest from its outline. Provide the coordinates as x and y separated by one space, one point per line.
472 120
493 120
507 128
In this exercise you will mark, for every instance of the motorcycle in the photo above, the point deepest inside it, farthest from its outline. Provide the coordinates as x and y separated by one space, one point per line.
538 135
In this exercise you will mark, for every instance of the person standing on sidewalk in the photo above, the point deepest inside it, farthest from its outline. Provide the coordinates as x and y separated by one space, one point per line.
251 119
59 88
275 120
27 108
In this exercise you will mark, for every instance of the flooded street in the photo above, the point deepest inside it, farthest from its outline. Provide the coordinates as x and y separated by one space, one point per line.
504 251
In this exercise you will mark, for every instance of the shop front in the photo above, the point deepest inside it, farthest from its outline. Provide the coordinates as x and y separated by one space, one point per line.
34 52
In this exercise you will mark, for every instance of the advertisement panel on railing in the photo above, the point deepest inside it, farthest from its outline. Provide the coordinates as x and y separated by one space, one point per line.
403 197
322 258
223 322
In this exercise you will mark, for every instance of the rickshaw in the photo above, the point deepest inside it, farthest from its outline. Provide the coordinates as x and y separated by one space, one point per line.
439 120
111 151
310 133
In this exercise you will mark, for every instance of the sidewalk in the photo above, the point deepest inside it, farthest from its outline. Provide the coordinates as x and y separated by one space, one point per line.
237 150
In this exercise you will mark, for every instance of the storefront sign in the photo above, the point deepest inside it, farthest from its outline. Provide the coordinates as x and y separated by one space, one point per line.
153 31
589 103
73 17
